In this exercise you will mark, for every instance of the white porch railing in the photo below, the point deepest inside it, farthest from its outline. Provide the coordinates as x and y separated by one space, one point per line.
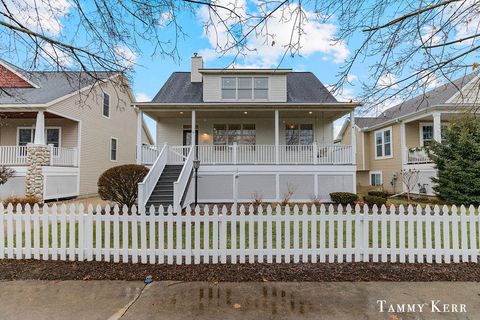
145 188
178 154
180 186
17 156
149 154
417 156
265 154
65 157
13 155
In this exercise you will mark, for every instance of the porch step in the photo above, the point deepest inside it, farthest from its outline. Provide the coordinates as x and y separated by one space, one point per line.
163 192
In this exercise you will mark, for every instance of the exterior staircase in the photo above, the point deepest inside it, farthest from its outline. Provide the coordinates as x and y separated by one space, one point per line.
163 192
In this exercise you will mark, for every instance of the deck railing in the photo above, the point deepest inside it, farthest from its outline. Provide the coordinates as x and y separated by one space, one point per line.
59 156
417 156
64 157
258 154
13 155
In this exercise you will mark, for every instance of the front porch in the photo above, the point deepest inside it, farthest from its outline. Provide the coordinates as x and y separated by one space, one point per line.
42 149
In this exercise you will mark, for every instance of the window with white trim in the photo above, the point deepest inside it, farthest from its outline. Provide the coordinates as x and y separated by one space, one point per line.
113 149
383 143
426 134
27 135
106 105
299 134
375 178
244 134
244 88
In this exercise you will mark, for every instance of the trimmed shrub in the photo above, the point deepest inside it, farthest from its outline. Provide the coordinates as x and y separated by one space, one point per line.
380 194
120 184
23 201
344 198
371 200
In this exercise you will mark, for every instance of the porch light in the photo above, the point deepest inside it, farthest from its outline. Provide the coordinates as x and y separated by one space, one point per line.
310 112
245 112
181 112
196 164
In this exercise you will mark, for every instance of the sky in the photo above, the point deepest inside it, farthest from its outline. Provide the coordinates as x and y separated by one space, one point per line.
319 53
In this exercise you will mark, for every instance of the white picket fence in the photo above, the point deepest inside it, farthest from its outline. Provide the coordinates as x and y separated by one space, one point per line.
213 234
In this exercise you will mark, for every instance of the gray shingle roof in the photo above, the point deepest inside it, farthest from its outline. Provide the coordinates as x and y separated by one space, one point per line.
302 87
51 86
430 99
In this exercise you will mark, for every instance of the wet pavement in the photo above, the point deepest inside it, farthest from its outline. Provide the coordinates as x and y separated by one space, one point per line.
270 300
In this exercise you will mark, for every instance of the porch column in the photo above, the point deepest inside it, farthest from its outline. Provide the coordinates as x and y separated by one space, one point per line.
437 127
277 137
403 143
353 139
39 138
139 136
194 131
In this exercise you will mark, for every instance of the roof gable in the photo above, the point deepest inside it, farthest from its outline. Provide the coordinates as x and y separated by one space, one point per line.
10 79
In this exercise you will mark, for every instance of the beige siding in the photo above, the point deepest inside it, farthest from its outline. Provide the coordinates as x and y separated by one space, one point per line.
389 166
96 131
170 130
68 129
278 88
212 88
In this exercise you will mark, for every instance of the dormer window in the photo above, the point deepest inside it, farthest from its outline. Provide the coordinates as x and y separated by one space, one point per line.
244 88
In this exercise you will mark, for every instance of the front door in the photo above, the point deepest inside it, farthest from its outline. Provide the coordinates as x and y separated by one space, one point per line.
187 137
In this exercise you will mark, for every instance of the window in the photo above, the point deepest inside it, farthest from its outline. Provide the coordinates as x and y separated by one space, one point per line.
375 178
227 134
245 88
426 135
298 134
383 143
106 105
27 135
113 149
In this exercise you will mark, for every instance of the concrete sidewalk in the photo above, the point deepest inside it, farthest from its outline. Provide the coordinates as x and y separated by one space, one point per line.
270 300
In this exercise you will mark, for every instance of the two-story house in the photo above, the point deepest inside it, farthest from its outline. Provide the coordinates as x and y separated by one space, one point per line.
264 134
60 130
397 139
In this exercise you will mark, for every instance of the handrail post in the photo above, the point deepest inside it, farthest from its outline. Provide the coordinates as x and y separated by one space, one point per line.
234 153
315 152
50 146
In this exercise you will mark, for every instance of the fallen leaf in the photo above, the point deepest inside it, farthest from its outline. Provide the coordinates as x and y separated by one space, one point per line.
394 317
475 66
215 283
264 279
237 306
86 278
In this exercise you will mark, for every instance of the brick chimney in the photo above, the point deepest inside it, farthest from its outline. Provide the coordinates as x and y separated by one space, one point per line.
197 63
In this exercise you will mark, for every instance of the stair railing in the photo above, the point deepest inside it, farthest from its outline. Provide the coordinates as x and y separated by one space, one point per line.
180 186
145 188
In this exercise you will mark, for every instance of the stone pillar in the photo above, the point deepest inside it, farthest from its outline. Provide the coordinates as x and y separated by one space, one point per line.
37 156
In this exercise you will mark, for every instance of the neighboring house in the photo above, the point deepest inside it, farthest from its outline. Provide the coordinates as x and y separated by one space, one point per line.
260 134
60 130
397 138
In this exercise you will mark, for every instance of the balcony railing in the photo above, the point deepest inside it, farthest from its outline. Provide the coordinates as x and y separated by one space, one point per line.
261 154
417 156
17 156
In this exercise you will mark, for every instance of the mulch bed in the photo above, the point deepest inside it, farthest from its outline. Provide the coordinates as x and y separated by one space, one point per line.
359 271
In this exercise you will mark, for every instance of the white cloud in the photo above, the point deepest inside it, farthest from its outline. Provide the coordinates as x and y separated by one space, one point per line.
142 97
267 52
125 56
432 36
39 15
165 19
56 56
387 80
378 108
